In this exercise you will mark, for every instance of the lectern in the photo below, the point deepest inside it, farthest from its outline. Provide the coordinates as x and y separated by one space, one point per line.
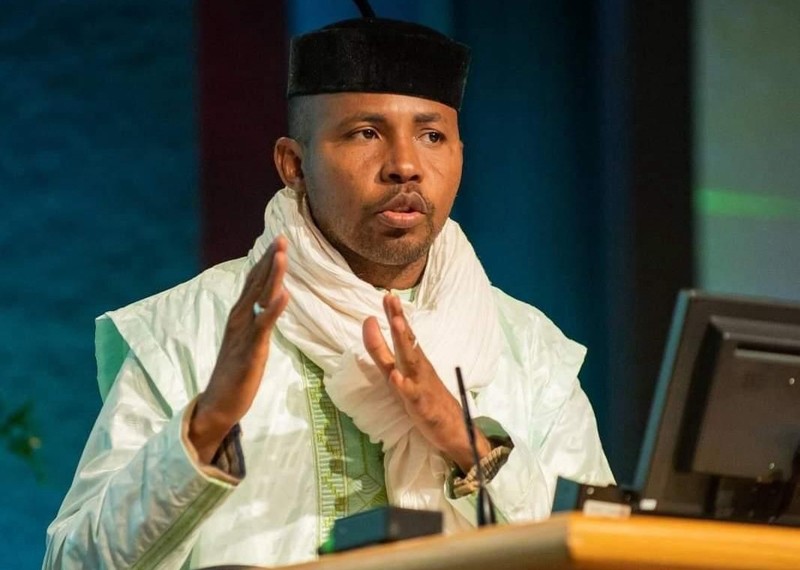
577 541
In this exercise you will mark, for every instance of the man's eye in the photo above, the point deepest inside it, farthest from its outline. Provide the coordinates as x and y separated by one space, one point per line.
433 137
368 133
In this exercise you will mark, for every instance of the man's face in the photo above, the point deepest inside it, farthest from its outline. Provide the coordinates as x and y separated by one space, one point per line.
381 172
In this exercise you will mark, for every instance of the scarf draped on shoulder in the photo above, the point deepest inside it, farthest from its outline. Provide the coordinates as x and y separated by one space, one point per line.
453 317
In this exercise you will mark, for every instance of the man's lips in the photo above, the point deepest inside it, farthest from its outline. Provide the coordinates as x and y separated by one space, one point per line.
406 202
401 220
404 211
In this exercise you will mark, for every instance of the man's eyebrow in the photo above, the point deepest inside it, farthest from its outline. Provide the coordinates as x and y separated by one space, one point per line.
363 118
380 119
420 118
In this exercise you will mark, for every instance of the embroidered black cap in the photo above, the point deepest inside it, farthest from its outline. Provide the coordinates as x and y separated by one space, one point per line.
378 55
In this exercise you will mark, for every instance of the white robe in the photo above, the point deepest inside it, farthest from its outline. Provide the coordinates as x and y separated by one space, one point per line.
141 499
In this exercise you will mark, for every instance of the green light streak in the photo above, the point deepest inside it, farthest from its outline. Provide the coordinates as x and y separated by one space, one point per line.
732 204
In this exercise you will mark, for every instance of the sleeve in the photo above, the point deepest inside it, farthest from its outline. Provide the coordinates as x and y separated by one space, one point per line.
523 488
139 494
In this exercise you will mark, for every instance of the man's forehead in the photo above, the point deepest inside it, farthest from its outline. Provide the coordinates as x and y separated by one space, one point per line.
338 107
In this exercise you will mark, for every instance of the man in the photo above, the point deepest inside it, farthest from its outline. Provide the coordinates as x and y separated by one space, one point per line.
280 360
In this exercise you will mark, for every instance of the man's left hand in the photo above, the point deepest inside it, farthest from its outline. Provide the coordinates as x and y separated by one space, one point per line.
434 411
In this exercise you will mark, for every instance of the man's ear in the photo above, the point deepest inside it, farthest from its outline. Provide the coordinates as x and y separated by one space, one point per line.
288 156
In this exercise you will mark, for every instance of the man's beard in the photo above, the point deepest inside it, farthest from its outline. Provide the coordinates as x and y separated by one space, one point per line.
393 247
400 249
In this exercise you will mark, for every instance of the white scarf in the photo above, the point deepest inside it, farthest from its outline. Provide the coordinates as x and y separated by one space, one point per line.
453 317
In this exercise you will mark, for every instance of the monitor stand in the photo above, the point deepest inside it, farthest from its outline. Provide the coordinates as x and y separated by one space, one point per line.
773 501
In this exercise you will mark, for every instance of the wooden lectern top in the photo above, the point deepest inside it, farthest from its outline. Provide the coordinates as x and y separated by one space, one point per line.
575 541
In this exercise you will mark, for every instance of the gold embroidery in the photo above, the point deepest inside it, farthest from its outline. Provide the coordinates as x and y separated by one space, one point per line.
349 468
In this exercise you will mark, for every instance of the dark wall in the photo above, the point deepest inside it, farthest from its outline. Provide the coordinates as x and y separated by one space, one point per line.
653 256
242 70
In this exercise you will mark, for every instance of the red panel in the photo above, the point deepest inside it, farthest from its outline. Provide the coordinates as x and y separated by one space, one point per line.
242 75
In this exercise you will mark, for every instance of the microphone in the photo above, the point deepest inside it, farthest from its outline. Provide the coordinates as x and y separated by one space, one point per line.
485 507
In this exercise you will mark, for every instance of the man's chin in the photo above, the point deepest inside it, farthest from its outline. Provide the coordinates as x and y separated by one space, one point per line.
398 252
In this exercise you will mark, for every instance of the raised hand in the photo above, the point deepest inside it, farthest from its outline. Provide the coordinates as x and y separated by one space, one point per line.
243 354
434 411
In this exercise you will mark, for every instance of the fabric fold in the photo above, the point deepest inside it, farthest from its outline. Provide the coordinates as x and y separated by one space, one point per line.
453 317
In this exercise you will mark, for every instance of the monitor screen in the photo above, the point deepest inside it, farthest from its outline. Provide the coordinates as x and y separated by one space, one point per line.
725 421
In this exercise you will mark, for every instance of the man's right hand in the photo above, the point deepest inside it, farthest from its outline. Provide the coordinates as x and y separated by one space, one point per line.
243 355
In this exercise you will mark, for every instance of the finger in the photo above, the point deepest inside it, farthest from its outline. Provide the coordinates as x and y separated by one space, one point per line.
259 274
405 386
274 296
274 281
376 346
266 320
406 350
261 269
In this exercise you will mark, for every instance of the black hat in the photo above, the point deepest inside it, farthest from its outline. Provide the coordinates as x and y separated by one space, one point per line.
377 55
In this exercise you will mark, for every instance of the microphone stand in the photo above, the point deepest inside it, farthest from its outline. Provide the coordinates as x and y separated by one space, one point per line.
485 508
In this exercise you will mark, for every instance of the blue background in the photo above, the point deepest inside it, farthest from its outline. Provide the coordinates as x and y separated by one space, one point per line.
98 186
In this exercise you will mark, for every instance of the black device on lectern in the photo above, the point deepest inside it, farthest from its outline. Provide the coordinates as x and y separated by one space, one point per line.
723 439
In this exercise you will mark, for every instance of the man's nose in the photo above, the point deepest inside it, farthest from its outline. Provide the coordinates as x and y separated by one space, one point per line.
402 163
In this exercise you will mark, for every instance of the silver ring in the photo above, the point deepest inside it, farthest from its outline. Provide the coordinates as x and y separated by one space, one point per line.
257 309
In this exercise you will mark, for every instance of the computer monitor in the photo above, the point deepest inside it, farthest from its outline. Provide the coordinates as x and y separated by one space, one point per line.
723 440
